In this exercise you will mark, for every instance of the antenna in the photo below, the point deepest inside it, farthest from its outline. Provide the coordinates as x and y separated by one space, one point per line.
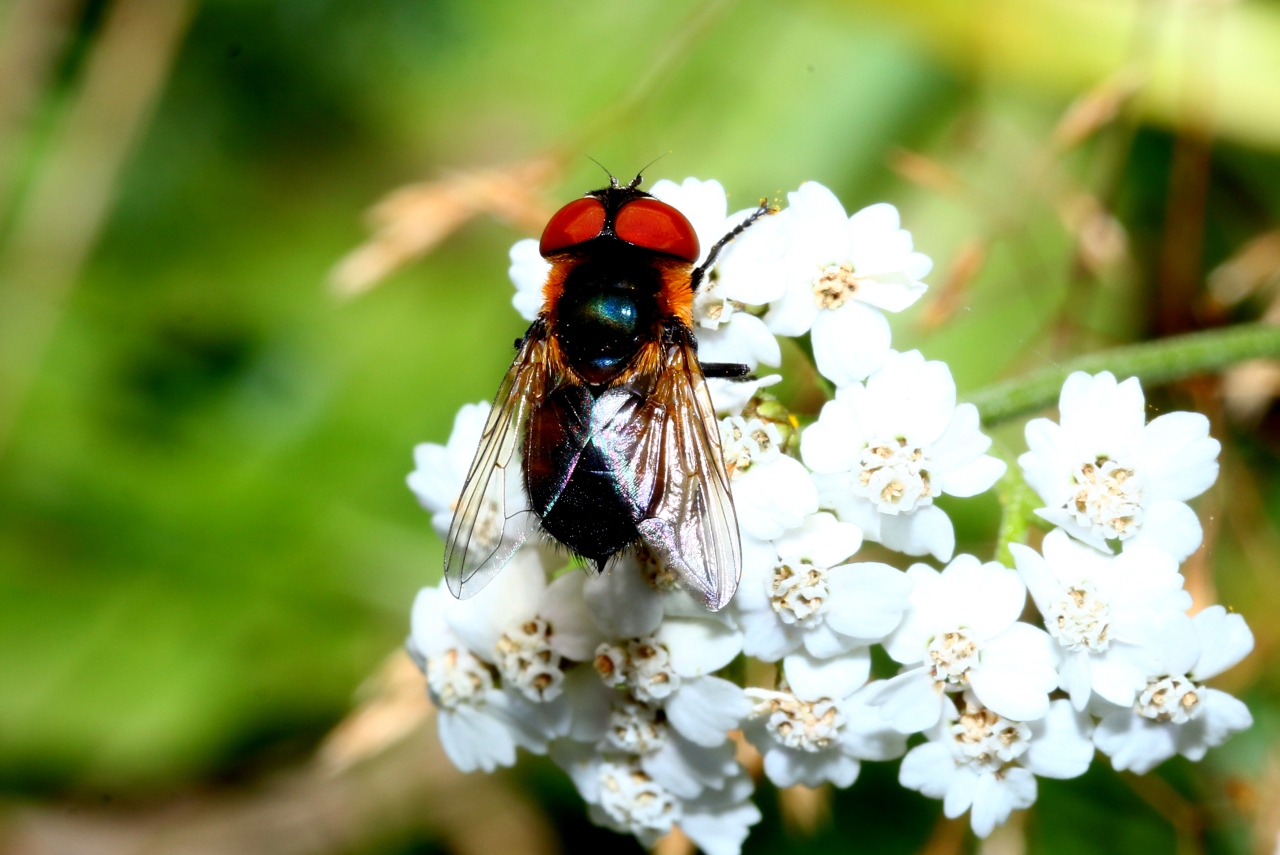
613 181
635 182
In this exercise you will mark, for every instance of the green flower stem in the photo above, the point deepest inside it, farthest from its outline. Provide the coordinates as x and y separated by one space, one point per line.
1018 503
1152 362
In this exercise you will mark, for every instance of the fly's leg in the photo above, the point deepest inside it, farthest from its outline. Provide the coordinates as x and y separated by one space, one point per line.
700 273
728 371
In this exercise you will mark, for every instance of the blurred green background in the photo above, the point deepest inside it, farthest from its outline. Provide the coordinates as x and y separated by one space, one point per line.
206 545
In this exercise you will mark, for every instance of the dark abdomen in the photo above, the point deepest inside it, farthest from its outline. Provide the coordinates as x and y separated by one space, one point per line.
569 481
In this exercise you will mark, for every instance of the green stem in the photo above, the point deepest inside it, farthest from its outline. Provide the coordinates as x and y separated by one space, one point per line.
1018 503
1152 362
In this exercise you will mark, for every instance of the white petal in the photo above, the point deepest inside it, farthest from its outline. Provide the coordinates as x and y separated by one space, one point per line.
474 740
1061 743
794 312
1041 583
1116 679
1224 639
913 398
995 798
1177 457
787 767
528 272
765 637
850 343
753 267
983 596
973 478
730 397
574 634
832 443
960 794
1175 646
668 768
532 724
744 339
427 630
1221 716
705 709
578 760
711 767
866 736
822 540
699 646
1133 742
891 291
925 531
433 481
812 679
907 643
819 225
621 602
872 222
824 642
771 498
962 442
929 769
909 702
1017 673
722 831
1064 520
590 703
867 599
1047 466
1105 415
1076 677
1170 526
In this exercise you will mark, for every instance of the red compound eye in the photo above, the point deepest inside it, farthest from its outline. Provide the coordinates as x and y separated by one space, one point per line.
656 225
579 221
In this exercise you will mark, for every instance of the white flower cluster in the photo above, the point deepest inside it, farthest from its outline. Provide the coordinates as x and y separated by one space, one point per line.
616 677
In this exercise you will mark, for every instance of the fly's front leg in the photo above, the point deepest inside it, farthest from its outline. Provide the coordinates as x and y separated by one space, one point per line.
700 273
735 371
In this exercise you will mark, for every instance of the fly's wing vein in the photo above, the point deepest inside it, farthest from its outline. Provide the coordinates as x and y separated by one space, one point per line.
493 518
673 467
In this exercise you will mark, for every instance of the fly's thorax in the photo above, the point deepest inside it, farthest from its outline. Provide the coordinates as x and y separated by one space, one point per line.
607 311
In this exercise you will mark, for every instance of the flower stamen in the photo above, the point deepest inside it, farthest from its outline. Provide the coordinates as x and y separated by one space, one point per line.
953 654
527 662
799 594
835 286
1108 498
809 726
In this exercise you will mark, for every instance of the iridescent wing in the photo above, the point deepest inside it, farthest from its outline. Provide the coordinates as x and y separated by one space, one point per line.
493 517
664 449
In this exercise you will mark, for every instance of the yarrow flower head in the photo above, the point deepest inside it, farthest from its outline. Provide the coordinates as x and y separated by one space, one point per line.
982 762
962 633
480 723
817 728
884 450
1113 617
1104 474
1175 713
797 592
622 796
636 691
842 274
